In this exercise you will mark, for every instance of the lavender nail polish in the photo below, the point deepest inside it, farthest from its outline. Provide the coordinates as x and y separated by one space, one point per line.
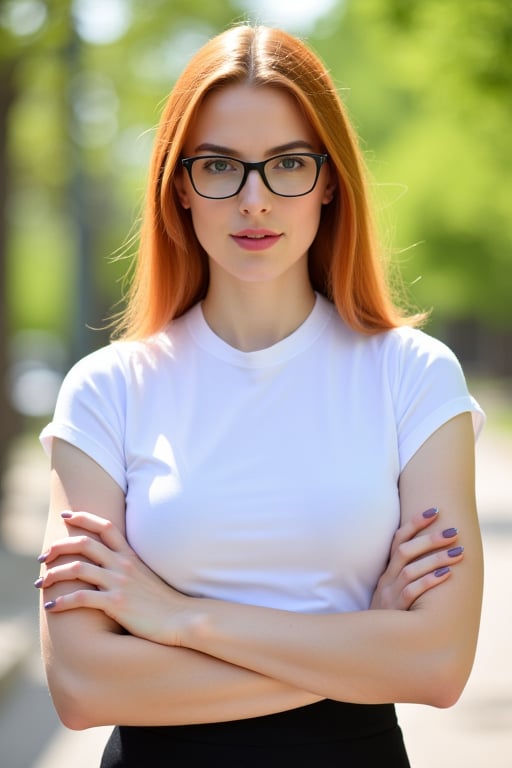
50 604
449 533
432 512
455 552
38 582
440 572
42 557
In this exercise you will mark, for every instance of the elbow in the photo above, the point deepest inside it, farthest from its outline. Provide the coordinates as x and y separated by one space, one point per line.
444 682
445 696
73 719
72 703
71 712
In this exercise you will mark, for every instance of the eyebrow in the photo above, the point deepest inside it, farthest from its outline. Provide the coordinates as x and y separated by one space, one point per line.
216 149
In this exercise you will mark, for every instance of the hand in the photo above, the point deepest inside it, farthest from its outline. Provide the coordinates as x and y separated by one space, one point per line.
417 563
124 587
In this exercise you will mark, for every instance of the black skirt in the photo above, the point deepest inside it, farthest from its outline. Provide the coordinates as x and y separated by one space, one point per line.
328 734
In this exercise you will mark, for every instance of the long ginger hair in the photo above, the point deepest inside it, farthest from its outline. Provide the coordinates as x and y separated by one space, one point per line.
171 270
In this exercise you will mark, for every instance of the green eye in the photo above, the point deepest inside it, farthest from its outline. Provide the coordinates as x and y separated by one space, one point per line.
289 163
218 166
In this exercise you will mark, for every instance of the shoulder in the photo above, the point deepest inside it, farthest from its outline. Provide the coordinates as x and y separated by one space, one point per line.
415 356
398 349
120 360
428 387
414 368
414 343
409 353
419 366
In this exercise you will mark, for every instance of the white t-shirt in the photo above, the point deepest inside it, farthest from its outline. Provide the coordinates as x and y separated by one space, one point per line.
268 477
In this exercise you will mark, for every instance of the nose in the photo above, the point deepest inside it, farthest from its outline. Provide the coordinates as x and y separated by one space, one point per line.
254 197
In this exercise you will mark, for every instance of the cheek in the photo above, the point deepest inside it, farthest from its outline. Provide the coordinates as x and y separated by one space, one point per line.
307 220
207 224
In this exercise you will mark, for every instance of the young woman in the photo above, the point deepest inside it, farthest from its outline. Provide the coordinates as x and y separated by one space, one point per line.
256 493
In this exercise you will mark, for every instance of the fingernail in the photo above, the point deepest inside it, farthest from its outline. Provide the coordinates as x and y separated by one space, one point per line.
38 582
66 515
440 572
449 533
432 512
42 557
455 551
50 604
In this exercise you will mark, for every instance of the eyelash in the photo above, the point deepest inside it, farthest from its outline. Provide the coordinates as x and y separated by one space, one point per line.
208 166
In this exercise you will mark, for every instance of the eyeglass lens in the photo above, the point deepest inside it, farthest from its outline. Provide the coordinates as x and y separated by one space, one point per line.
287 175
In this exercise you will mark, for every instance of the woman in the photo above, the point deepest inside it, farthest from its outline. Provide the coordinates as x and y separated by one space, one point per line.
272 438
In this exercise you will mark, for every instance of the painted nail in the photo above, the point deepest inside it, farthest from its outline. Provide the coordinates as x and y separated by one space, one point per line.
38 582
440 572
42 557
449 533
455 551
50 604
432 512
66 515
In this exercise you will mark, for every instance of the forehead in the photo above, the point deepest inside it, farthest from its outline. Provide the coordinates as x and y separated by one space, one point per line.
249 120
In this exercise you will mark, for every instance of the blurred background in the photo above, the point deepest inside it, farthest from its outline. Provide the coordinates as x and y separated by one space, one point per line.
428 84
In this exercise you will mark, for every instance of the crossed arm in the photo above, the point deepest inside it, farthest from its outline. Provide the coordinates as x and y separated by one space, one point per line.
121 646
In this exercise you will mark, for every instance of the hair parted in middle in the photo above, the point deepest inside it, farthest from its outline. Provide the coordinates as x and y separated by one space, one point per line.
171 270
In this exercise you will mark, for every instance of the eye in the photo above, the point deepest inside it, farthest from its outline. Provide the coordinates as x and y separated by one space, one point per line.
218 165
289 163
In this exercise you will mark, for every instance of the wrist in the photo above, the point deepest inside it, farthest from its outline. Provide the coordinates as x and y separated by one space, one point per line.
188 628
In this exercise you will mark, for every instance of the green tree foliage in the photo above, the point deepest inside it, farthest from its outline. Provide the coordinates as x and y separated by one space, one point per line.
430 87
90 78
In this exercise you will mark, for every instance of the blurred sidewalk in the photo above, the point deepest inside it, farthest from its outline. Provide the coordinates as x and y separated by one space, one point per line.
474 733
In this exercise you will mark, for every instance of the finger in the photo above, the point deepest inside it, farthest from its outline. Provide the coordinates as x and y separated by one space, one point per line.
413 591
100 528
412 527
76 571
105 529
420 546
83 546
81 598
430 564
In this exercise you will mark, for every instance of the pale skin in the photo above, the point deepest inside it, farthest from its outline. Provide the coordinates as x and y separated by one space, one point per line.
122 646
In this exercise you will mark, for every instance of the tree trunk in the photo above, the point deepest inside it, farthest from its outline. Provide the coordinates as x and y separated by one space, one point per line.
9 420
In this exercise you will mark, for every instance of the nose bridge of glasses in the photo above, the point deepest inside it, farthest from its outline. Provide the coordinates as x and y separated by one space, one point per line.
257 169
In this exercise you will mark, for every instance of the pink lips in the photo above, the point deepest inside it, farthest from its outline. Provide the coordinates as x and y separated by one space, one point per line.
256 239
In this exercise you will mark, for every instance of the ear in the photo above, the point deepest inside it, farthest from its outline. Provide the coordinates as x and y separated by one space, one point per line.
330 188
180 184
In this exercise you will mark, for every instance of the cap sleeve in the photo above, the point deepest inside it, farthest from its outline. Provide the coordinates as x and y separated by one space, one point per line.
431 390
90 412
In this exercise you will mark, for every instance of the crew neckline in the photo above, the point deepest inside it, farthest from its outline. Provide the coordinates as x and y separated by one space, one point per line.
283 350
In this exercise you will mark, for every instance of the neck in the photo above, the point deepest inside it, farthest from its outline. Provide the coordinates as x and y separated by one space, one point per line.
254 316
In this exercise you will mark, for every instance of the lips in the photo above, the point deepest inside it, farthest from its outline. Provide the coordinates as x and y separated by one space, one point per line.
256 239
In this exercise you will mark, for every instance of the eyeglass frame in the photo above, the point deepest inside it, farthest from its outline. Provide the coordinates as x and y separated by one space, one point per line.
319 158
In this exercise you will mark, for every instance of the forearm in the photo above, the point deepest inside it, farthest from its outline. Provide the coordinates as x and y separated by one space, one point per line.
421 655
367 657
99 678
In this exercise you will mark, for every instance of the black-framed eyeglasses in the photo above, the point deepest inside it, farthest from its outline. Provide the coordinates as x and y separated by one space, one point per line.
218 176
